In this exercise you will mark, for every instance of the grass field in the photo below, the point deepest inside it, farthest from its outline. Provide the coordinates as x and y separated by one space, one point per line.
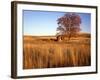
47 52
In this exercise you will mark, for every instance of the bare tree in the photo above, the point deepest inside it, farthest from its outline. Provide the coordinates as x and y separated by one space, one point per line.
69 24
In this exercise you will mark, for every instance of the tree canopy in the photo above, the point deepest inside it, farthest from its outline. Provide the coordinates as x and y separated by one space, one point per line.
69 24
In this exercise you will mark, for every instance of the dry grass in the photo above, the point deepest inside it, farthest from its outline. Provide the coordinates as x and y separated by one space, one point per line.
46 53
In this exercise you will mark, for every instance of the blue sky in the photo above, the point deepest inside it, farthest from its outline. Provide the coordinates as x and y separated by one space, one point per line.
41 23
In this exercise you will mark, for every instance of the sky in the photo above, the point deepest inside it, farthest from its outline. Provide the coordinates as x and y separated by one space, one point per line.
42 23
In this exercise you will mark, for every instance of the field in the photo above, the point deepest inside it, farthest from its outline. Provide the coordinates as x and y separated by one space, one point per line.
47 52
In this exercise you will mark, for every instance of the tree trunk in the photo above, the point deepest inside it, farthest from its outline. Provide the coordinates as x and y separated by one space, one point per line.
69 36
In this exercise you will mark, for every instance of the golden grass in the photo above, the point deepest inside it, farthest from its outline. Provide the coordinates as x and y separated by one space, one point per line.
46 53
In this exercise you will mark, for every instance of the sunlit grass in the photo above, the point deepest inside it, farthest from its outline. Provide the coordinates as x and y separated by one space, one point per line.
51 54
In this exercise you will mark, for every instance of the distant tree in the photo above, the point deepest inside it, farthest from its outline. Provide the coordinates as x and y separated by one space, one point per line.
69 24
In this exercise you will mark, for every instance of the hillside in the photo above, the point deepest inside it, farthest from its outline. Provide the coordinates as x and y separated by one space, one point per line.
82 37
